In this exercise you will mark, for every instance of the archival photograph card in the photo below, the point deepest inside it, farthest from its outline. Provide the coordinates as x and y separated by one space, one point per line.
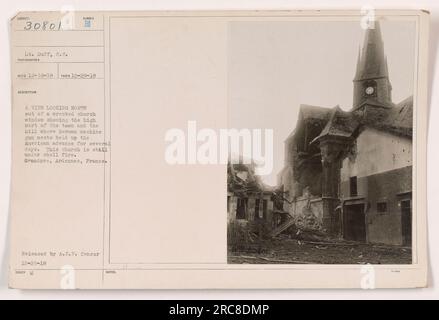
219 149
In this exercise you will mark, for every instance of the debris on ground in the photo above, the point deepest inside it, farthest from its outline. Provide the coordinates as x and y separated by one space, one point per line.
288 251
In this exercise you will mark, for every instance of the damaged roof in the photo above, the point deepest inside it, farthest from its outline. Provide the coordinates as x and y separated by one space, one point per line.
340 124
396 119
402 115
241 178
314 112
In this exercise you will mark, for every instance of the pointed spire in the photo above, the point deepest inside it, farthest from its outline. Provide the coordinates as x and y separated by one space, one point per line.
386 67
372 62
357 72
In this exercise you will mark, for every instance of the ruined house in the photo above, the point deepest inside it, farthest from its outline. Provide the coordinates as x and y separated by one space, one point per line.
349 173
248 199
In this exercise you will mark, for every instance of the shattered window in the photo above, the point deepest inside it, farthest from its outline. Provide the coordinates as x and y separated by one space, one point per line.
353 186
241 209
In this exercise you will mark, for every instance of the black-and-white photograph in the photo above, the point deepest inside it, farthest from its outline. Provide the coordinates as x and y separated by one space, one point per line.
338 99
222 150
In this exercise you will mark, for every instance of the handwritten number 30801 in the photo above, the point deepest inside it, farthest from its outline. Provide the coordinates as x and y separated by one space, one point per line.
42 26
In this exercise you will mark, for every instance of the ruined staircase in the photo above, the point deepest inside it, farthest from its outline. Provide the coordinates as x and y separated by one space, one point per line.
284 226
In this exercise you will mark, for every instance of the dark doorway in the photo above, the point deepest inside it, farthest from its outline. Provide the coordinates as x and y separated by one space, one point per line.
241 208
406 222
354 222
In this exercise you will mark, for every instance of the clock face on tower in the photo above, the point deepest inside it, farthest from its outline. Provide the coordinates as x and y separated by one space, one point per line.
369 90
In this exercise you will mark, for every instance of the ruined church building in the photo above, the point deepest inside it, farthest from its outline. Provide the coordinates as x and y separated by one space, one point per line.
352 170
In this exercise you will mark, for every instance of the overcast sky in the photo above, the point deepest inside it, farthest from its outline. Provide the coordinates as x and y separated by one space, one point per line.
276 66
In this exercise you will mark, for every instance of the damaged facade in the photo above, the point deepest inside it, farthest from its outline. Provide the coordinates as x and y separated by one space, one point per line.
349 173
248 199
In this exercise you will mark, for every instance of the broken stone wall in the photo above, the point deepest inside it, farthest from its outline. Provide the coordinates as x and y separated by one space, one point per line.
232 202
307 211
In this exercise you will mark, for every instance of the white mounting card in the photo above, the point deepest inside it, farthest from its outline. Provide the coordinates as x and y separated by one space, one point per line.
219 149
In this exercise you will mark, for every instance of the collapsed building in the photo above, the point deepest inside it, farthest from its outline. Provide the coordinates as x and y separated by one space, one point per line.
248 199
349 173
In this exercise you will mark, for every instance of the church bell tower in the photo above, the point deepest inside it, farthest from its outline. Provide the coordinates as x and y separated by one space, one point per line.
371 82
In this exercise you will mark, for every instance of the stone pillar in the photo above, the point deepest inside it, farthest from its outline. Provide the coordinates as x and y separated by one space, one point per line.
332 152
